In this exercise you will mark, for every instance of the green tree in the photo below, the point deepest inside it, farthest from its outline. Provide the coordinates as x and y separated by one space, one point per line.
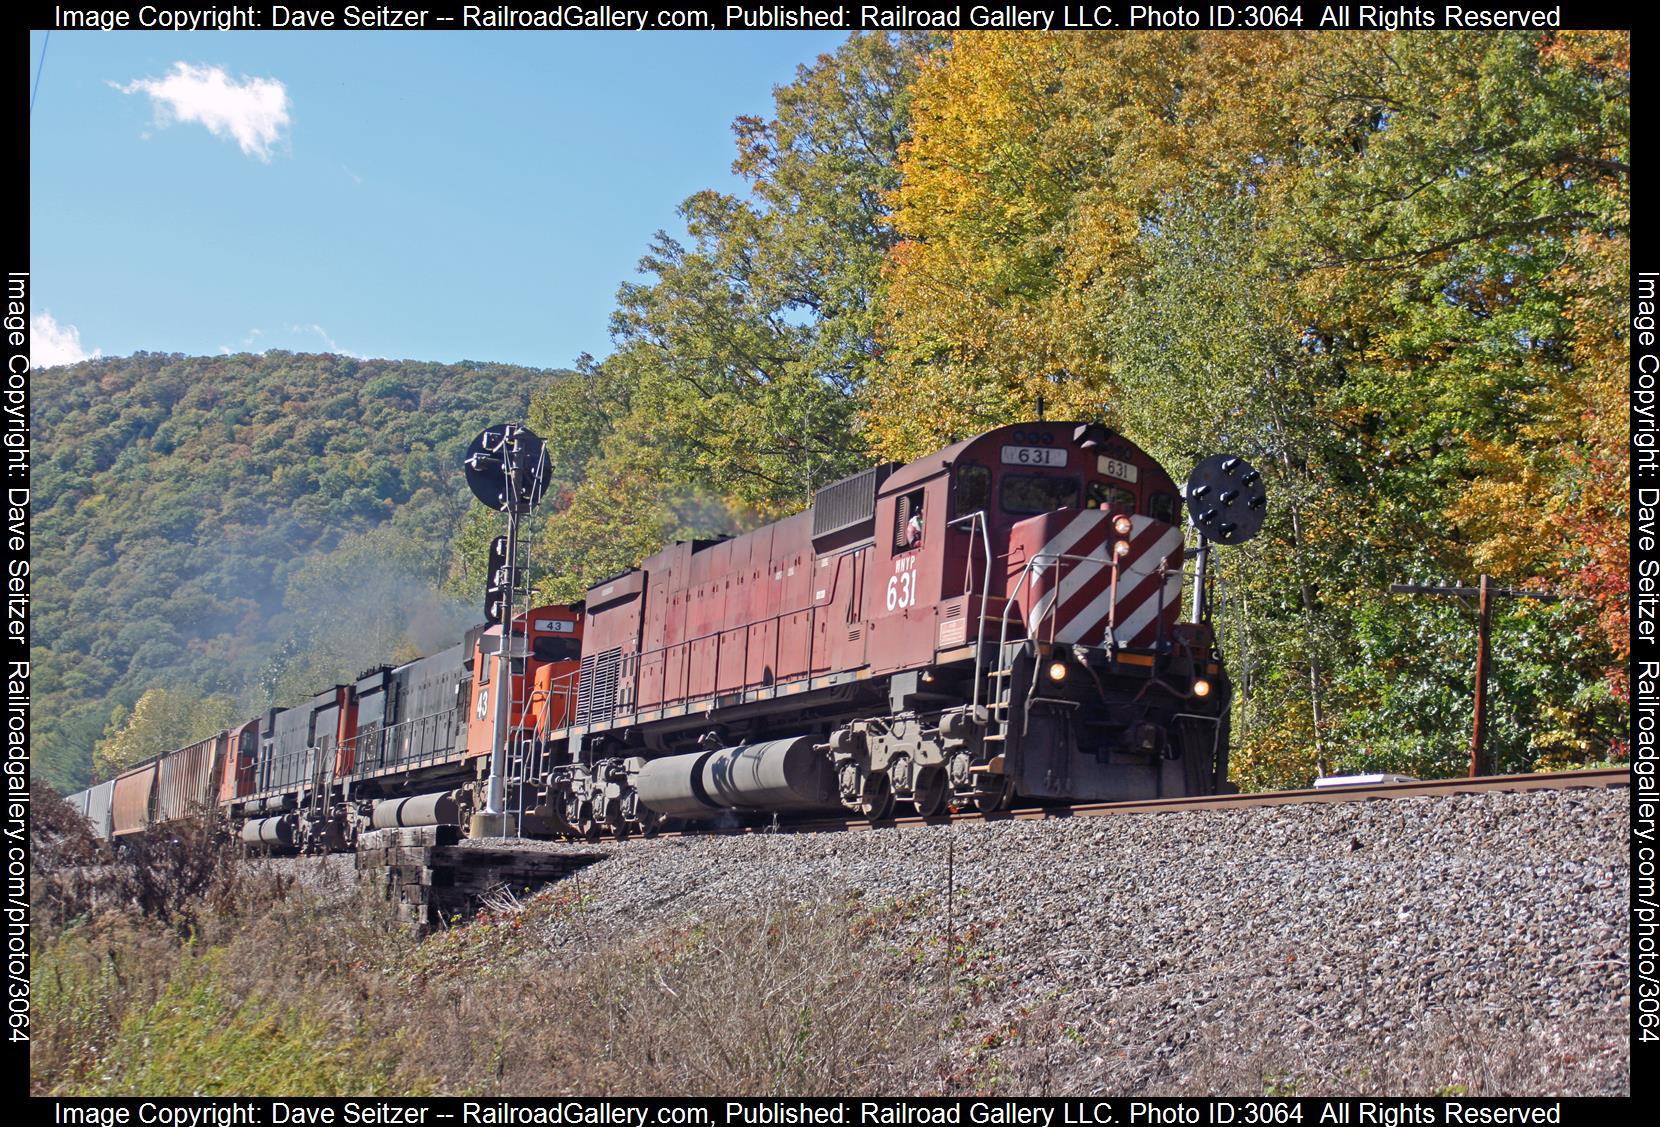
741 359
162 720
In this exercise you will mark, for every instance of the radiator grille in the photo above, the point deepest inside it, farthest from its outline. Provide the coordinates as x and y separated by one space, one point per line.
596 692
848 502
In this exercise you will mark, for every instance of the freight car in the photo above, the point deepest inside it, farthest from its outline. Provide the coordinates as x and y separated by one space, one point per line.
1000 619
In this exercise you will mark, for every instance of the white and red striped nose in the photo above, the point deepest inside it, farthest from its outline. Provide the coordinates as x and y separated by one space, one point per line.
1085 601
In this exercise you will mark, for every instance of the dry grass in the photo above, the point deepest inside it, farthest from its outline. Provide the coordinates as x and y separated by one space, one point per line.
283 990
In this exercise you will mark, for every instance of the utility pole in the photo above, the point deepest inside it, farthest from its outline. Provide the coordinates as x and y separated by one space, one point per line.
1484 592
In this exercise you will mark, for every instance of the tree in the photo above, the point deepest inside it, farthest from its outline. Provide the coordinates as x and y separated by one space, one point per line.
1386 267
163 720
741 359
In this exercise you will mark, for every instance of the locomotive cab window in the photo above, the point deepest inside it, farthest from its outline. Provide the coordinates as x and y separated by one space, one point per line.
1162 506
909 521
1026 494
1101 493
973 492
548 648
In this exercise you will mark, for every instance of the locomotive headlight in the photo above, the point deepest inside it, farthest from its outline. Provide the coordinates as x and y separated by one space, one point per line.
1121 549
1201 687
1057 671
1121 525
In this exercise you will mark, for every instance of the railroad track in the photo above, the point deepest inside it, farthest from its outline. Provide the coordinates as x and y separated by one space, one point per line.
1602 778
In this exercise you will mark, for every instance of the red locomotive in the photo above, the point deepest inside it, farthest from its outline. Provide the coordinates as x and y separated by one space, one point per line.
999 619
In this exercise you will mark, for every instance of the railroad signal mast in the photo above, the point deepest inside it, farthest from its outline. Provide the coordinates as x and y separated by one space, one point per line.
1226 504
507 469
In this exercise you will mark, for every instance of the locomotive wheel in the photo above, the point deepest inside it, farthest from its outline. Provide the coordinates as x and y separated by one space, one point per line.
570 816
876 799
992 797
933 792
586 827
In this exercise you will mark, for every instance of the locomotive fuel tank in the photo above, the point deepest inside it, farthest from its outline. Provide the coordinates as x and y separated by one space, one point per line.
788 774
277 831
439 809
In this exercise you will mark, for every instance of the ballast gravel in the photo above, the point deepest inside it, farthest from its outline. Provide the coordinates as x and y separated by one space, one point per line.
1468 944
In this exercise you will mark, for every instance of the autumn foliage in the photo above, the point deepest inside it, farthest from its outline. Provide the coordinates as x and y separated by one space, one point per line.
1390 268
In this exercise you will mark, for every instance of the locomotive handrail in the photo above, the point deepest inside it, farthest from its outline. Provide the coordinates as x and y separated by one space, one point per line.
375 752
564 687
1060 559
636 662
388 756
1216 728
977 521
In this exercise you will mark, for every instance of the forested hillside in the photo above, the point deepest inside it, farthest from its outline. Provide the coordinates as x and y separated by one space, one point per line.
232 531
1388 268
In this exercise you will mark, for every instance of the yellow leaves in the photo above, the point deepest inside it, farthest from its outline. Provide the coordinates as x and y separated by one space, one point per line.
1033 166
162 720
1491 513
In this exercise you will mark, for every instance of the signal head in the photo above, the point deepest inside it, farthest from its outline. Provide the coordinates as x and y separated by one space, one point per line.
1232 479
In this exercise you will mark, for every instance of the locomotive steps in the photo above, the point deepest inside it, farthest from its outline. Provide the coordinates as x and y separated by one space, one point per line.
432 877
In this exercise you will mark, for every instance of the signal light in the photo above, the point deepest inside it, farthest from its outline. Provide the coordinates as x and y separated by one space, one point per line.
1057 671
496 581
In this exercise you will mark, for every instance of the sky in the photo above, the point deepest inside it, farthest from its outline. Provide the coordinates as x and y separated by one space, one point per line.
439 196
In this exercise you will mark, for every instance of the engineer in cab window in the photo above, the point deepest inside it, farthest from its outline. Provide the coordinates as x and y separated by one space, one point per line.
913 527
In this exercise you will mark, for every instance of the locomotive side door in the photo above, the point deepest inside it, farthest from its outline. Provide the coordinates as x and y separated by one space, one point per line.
839 637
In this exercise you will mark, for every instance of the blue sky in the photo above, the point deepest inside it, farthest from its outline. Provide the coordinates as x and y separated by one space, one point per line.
432 195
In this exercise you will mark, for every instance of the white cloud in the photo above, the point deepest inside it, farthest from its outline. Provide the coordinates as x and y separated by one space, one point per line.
328 341
51 344
252 111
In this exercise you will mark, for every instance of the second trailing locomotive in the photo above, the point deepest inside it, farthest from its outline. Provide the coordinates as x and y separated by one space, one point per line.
999 620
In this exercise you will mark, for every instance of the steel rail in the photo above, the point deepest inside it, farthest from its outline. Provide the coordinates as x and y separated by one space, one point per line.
1598 778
